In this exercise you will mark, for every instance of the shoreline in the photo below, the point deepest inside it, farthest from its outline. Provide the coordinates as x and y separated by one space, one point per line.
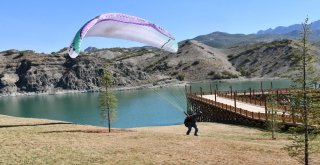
140 87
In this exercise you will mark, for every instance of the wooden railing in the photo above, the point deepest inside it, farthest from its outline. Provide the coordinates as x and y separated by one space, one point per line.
285 118
249 96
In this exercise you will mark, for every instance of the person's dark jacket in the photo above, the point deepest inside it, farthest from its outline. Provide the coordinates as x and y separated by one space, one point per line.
193 118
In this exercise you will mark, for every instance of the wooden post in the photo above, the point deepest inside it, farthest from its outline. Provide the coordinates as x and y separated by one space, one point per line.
190 89
217 87
259 115
266 110
230 90
278 98
250 94
215 95
235 100
201 92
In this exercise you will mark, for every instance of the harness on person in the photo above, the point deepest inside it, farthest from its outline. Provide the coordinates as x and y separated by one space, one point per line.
187 121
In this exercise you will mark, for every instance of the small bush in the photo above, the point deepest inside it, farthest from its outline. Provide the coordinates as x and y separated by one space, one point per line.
246 60
185 68
230 56
217 76
195 63
180 64
227 74
174 73
181 77
211 73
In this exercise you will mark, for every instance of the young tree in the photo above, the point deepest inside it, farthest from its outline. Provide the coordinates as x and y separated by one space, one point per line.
272 123
107 100
304 102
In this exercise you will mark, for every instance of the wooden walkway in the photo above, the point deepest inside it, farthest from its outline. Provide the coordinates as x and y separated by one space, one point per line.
239 104
247 107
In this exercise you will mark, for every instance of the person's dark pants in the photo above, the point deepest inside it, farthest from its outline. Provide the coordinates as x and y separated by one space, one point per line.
190 127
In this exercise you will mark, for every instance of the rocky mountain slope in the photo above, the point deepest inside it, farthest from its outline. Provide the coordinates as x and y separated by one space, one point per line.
225 40
26 71
193 62
273 59
30 72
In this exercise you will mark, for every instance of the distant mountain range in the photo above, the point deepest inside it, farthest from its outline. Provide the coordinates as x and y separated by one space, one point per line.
225 40
90 49
314 26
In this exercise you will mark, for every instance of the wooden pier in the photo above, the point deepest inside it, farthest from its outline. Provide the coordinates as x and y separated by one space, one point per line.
248 107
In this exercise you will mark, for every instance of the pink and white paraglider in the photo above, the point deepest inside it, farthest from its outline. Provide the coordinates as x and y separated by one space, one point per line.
122 26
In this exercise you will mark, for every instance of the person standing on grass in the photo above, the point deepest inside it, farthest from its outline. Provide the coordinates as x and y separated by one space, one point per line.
190 122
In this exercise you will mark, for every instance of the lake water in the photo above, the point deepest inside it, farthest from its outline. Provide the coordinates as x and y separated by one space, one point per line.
136 108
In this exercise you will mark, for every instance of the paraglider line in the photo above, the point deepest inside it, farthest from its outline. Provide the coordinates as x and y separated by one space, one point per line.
170 102
165 43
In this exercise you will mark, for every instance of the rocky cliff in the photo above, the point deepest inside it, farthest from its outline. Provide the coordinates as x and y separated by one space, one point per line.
26 71
271 59
23 72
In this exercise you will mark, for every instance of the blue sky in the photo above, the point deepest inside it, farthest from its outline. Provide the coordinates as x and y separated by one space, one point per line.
49 25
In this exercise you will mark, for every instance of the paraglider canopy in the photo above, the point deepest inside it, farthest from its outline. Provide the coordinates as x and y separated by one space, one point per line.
117 25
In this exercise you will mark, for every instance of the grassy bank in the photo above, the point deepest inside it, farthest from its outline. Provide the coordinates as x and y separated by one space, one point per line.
35 141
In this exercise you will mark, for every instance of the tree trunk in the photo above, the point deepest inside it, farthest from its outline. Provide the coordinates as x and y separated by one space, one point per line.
306 134
109 124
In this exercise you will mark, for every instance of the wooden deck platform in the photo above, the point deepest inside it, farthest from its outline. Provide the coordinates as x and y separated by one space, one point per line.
244 107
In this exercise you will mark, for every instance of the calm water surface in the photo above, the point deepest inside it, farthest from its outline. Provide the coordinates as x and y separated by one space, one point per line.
136 108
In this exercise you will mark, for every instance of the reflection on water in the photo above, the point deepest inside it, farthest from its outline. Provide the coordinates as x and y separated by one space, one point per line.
136 108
